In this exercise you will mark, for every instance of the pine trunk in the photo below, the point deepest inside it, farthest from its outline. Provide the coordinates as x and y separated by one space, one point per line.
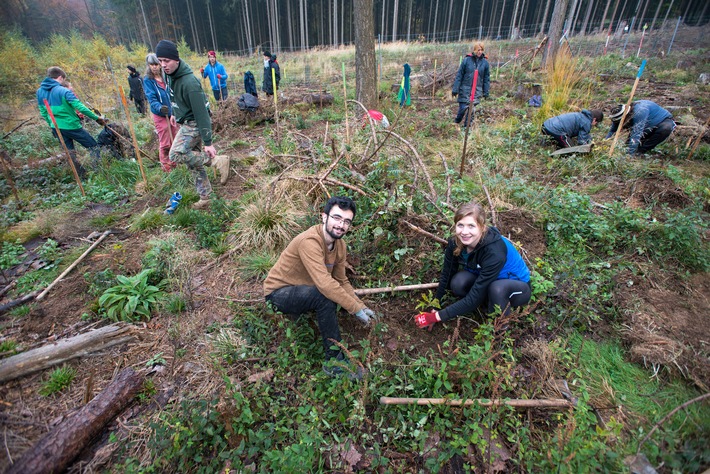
365 59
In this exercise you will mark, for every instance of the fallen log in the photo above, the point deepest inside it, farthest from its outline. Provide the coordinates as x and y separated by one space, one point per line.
484 402
63 350
391 289
19 301
55 451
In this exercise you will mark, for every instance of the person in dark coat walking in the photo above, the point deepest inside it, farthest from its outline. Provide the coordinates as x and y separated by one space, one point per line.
464 80
648 123
571 125
136 84
269 64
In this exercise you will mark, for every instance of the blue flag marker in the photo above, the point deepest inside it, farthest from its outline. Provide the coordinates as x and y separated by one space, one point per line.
643 65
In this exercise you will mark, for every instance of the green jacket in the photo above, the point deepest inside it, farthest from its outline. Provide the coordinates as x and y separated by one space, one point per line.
189 101
63 104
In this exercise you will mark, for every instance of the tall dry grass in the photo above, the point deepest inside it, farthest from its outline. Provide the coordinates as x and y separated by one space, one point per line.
561 91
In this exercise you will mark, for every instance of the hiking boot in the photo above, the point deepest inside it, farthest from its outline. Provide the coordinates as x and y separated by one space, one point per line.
203 203
221 163
339 366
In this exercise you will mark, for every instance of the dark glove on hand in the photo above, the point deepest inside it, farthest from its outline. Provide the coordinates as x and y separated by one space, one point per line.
164 110
219 76
454 94
102 121
202 70
423 320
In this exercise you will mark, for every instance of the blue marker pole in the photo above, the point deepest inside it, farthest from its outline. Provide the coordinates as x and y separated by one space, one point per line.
626 108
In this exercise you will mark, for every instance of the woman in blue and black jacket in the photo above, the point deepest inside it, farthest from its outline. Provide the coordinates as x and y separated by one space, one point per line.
480 266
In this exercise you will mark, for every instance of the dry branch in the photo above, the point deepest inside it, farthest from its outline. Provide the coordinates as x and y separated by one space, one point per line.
484 402
55 451
63 350
73 265
391 289
421 164
424 232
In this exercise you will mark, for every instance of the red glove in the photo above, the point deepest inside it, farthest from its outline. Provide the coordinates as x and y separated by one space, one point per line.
202 71
424 320
219 76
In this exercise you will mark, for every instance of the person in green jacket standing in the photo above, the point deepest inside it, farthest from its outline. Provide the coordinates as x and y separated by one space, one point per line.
64 105
193 142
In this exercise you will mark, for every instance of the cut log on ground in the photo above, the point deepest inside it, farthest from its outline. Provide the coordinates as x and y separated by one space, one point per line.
58 448
484 402
391 289
573 149
19 301
64 350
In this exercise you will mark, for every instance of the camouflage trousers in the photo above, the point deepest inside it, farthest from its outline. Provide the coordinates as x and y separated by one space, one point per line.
187 149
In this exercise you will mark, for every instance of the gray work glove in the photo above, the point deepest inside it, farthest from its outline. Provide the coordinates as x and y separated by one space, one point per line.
366 315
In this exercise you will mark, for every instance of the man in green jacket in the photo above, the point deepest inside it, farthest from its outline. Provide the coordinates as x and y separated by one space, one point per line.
64 105
193 142
310 276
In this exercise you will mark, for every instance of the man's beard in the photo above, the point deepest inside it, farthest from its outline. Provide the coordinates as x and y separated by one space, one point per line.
333 235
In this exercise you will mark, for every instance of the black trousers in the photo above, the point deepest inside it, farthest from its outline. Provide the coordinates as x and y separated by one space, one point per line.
297 300
506 294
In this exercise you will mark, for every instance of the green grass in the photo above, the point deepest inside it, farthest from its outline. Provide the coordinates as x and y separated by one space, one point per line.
60 379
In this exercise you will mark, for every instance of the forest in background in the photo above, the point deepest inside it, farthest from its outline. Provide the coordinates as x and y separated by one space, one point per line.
244 26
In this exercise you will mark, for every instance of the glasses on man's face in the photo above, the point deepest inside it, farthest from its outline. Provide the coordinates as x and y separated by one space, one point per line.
340 220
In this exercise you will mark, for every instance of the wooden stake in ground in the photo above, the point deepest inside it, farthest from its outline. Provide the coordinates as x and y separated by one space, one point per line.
133 134
469 118
64 145
626 109
392 289
63 350
345 104
484 402
73 265
692 150
56 450
433 84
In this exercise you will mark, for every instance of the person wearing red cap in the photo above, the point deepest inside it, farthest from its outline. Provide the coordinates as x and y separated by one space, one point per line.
217 74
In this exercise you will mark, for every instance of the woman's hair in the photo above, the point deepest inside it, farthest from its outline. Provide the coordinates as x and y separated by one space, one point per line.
479 215
151 58
477 45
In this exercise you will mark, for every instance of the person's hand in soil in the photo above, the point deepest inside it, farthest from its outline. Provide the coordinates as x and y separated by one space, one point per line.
426 320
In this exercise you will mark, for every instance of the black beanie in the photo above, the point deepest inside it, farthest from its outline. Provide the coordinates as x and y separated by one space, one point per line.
167 49
131 68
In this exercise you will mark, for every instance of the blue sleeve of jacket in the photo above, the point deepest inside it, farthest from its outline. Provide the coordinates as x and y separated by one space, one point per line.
152 95
459 77
612 129
585 127
223 72
486 79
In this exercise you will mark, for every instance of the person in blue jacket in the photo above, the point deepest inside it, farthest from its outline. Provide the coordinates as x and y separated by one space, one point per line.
480 266
648 123
158 95
464 81
571 125
217 74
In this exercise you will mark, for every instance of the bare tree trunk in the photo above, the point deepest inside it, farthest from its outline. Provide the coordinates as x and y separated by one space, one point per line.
335 23
571 16
305 14
481 15
655 16
436 17
544 17
448 21
303 25
395 12
147 30
667 12
512 20
500 20
409 20
577 9
556 24
342 22
210 18
172 19
365 59
586 17
247 26
606 10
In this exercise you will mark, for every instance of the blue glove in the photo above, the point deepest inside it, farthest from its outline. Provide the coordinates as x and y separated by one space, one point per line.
366 315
